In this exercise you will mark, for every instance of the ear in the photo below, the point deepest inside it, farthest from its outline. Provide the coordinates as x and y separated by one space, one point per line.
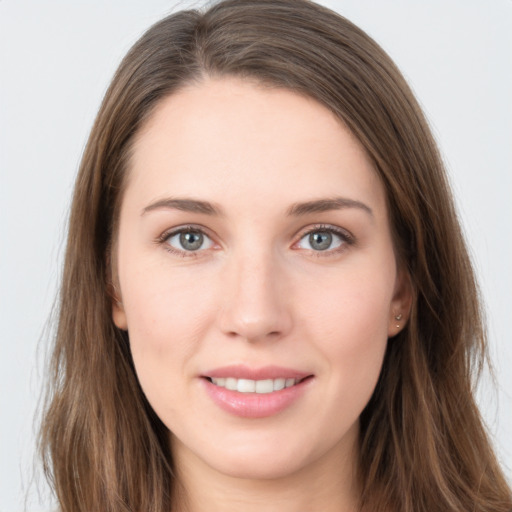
119 315
401 303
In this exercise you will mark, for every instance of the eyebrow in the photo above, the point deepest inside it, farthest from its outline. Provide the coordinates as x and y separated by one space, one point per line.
295 210
325 205
185 205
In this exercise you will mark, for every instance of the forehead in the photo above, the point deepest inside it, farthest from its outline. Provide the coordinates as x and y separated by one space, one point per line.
231 140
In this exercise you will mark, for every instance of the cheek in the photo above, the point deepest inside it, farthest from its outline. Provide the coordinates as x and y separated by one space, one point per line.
349 322
166 309
352 305
167 316
166 323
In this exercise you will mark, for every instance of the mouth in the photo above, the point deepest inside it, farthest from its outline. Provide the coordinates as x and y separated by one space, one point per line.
264 386
256 393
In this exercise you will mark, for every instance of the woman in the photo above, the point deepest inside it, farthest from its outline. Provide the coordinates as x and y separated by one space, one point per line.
267 302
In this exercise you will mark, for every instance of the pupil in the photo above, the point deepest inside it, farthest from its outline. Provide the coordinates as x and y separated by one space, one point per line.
321 240
191 241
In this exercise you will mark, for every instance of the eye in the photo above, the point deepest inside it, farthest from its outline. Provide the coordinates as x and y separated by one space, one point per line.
188 240
324 239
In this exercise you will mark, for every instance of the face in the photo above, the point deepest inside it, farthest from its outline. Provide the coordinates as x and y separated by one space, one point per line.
257 278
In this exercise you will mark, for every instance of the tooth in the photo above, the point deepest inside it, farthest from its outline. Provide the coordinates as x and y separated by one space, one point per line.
264 386
231 383
289 383
279 384
246 386
253 386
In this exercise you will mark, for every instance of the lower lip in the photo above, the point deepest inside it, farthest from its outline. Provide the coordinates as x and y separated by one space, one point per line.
255 405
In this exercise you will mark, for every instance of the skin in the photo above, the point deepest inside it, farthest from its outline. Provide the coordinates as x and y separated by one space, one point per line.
257 292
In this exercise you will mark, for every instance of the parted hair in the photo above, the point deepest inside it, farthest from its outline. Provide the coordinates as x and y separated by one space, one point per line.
423 446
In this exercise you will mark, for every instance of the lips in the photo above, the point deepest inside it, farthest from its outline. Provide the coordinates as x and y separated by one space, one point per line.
246 372
255 393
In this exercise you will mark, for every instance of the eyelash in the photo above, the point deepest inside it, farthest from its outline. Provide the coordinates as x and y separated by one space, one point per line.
163 240
347 239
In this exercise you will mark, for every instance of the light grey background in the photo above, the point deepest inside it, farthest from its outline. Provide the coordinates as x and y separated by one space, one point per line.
56 59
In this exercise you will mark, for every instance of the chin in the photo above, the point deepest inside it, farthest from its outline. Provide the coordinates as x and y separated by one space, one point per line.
270 467
264 457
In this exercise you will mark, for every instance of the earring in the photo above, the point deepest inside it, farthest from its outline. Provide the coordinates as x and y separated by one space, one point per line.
398 318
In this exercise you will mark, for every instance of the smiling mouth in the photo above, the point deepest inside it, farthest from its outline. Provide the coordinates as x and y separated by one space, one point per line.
264 386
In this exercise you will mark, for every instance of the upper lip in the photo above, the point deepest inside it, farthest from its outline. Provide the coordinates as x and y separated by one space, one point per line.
262 373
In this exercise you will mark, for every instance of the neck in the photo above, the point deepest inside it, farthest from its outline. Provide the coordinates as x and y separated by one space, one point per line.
328 484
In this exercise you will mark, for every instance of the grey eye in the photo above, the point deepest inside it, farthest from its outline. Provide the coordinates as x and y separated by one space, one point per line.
189 241
320 240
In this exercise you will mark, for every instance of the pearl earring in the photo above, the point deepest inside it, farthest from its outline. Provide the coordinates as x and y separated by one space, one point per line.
398 318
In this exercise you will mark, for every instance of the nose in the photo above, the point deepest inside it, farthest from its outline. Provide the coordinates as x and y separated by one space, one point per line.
255 304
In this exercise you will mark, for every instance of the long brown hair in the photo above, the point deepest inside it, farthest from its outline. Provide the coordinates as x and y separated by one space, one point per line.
423 445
